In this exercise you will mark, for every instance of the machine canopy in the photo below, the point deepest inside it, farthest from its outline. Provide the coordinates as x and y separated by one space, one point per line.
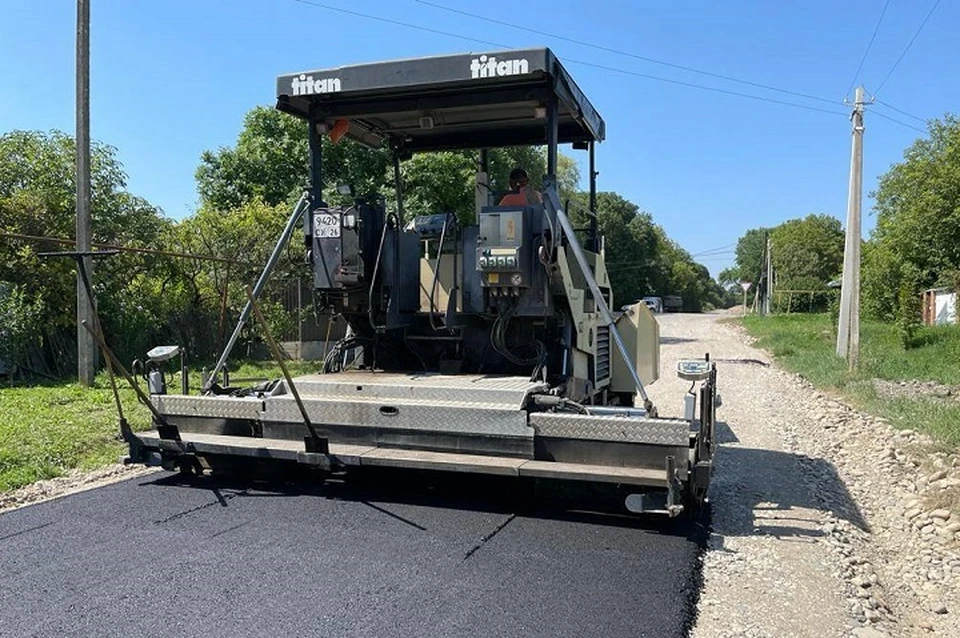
471 100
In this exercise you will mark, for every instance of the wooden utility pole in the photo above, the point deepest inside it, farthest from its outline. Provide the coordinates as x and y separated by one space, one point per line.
848 326
86 348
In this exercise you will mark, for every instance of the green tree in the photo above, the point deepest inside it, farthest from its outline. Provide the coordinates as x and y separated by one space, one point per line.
749 254
807 253
37 197
914 244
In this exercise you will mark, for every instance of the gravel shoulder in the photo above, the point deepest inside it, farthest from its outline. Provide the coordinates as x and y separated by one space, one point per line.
70 483
825 521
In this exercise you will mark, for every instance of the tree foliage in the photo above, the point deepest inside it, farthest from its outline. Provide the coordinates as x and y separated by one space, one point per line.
915 242
37 197
807 253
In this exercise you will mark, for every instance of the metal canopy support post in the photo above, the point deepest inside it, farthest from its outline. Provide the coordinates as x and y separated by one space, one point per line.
482 188
552 200
594 229
553 118
316 163
398 186
302 204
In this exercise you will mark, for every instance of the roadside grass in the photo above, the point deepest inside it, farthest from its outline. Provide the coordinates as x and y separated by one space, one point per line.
48 428
806 344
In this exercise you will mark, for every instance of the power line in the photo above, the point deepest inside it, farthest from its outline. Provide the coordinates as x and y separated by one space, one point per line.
703 87
399 23
909 44
895 121
869 44
891 106
718 249
628 53
568 60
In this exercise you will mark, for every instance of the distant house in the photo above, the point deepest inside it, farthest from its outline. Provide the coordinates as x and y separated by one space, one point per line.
939 306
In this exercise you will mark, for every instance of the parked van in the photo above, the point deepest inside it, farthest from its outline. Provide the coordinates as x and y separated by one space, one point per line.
655 304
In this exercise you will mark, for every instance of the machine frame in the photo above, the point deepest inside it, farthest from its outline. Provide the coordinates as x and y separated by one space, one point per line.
581 413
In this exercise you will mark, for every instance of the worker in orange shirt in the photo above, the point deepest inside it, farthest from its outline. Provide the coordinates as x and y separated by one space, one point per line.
521 193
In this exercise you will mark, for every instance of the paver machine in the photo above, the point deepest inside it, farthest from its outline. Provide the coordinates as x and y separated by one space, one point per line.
485 346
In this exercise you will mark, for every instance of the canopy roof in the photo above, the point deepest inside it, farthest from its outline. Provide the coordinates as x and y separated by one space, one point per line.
471 100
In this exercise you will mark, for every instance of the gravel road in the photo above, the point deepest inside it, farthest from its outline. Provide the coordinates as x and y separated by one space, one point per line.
825 521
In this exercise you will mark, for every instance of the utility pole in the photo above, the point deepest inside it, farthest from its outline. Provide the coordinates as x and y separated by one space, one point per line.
848 326
86 349
768 268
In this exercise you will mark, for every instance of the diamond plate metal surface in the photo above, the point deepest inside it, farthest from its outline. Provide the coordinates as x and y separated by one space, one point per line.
673 432
422 415
466 389
213 407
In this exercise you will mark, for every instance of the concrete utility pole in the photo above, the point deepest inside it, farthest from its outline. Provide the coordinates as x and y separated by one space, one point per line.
848 327
86 349
768 268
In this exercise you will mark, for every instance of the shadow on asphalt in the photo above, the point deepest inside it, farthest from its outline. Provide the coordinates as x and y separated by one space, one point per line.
723 433
378 488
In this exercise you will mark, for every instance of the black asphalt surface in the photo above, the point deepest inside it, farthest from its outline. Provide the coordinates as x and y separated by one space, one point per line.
400 555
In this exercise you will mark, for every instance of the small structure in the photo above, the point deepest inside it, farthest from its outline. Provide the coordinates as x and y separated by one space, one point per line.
939 306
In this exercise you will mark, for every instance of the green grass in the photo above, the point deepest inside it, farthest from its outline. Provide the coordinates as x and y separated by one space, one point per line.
49 428
806 344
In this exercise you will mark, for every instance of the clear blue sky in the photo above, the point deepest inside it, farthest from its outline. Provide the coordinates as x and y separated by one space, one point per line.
171 78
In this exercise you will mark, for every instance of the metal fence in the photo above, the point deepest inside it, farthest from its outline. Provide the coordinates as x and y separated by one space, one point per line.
311 334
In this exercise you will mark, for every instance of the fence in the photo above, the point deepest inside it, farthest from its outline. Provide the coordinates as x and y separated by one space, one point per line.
788 301
312 334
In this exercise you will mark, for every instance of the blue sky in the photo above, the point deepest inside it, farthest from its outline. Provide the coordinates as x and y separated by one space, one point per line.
171 78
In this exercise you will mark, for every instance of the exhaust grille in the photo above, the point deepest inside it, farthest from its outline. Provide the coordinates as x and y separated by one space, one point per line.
602 360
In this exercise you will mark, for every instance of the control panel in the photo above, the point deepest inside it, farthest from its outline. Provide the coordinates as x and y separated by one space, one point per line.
501 248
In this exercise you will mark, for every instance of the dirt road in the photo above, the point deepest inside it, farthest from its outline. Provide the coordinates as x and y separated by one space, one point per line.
815 508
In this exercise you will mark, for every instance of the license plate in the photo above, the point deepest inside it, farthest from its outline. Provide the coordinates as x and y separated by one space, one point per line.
326 226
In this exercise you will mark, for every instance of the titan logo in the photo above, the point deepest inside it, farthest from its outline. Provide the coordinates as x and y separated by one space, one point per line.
484 67
306 85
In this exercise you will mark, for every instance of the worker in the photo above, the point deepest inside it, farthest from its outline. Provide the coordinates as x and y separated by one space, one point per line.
521 193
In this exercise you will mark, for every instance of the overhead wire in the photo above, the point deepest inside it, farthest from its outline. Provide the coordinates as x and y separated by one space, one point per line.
628 54
647 76
900 111
693 85
703 87
896 121
909 44
869 45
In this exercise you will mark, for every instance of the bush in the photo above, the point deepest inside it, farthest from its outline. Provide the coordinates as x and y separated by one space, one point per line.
20 326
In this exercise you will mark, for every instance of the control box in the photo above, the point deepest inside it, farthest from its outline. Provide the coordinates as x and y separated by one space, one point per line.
503 258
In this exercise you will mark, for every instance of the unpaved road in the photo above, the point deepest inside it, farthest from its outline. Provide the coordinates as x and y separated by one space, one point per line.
766 572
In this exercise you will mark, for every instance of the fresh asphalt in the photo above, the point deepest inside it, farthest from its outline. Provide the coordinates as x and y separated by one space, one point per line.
399 554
